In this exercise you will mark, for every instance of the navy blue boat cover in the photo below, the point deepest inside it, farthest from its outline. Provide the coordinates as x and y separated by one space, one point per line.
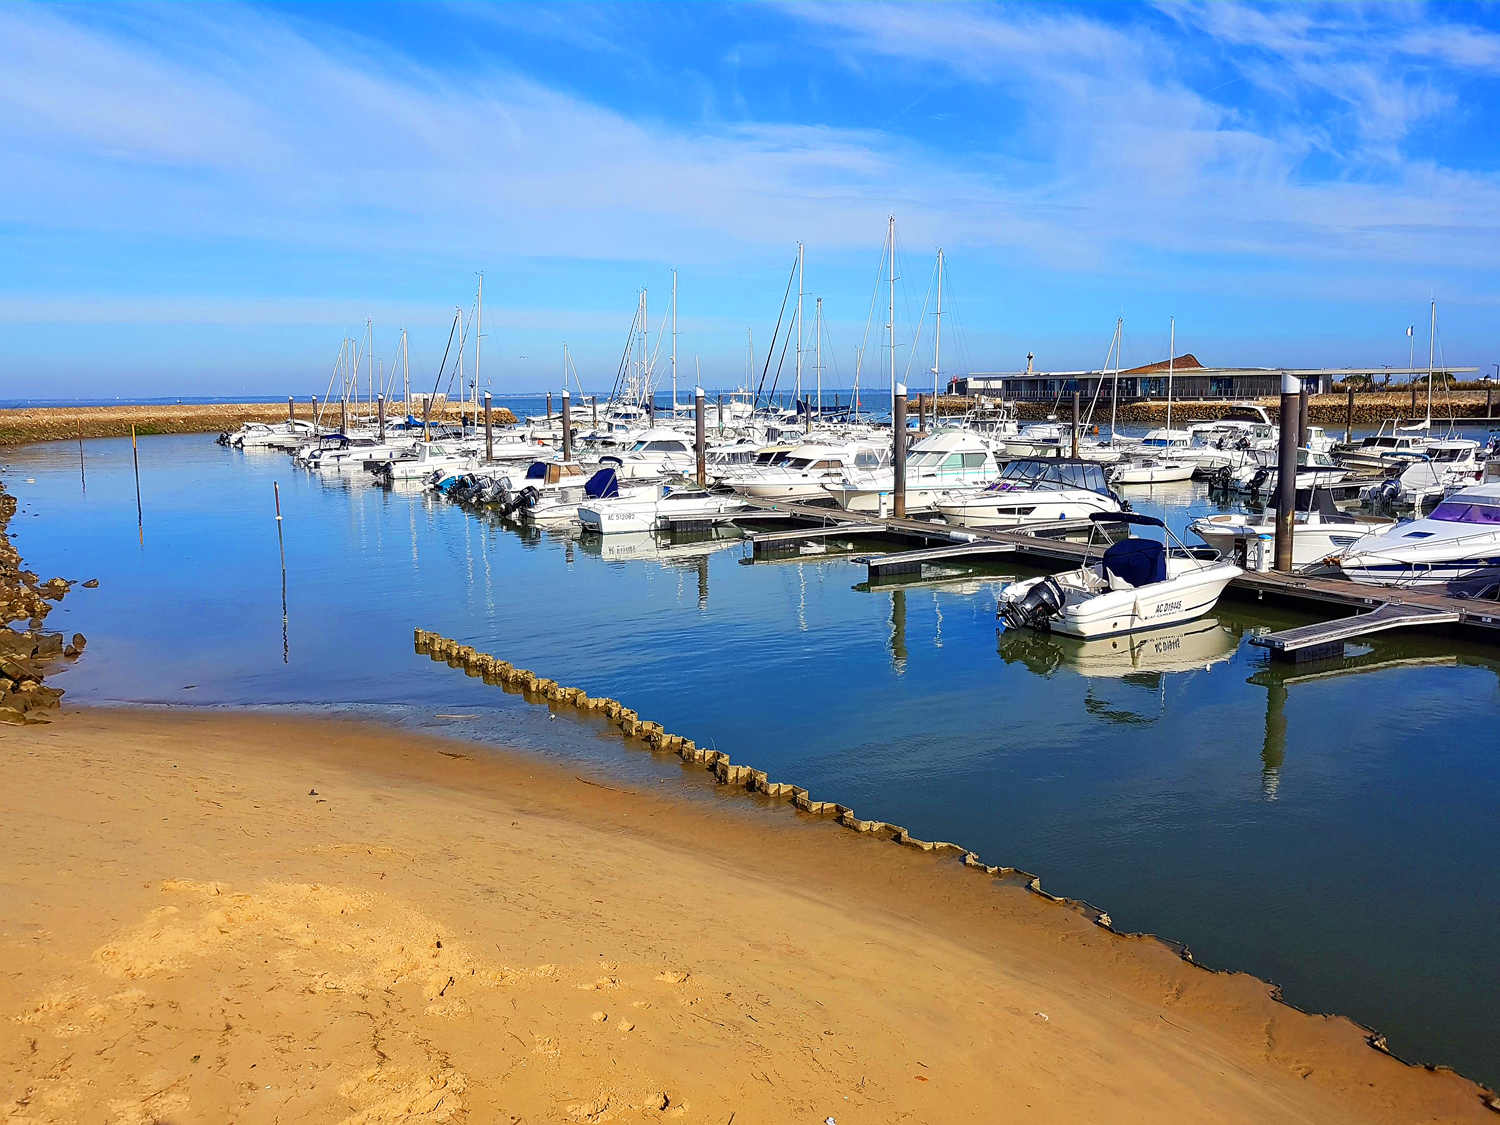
537 470
1137 561
602 485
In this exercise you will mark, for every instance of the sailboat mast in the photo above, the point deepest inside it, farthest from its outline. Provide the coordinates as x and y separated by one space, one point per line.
937 345
1431 343
1171 360
405 373
890 239
478 342
818 328
370 359
799 326
1114 396
674 343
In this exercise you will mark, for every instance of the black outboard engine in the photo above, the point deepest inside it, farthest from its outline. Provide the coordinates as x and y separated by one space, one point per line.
1258 481
526 499
1042 603
1218 480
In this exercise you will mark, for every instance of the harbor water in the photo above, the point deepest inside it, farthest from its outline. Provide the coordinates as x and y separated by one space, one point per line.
1330 828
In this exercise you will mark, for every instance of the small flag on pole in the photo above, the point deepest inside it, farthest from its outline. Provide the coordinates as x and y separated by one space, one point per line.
1409 327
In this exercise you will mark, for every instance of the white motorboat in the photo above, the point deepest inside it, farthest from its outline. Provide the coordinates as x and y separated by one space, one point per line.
431 456
1038 439
261 435
1445 466
650 510
555 503
1259 474
656 453
1383 450
1456 547
1034 490
1151 471
1320 530
1137 584
938 467
801 474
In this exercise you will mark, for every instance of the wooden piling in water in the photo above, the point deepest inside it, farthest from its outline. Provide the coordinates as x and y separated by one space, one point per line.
898 450
567 425
140 517
700 440
489 432
1292 401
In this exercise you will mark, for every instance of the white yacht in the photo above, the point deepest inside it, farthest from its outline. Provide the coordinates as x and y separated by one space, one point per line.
937 467
1383 450
801 474
1137 584
1456 547
1320 531
1034 490
554 501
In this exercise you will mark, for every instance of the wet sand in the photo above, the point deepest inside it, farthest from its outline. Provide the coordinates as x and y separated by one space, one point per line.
208 917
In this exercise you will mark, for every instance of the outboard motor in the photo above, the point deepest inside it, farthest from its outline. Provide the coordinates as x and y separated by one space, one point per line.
1258 481
1219 479
526 499
1042 603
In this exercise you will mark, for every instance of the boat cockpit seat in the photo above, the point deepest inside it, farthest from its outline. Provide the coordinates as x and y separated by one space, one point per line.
1135 562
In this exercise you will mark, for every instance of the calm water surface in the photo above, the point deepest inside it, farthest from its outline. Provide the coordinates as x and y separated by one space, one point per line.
1332 831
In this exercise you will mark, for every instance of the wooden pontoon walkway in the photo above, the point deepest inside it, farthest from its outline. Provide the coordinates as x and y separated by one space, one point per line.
1356 605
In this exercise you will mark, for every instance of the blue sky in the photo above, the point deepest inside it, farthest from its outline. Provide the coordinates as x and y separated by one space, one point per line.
206 199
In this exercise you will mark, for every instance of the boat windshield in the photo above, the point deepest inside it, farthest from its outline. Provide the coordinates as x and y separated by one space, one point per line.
1051 474
928 457
797 462
1449 453
1466 511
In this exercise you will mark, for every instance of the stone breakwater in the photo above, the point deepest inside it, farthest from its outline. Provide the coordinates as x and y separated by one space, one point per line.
53 423
29 653
545 692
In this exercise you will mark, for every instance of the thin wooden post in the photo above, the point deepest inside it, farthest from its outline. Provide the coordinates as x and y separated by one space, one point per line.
1349 417
281 544
82 478
380 415
140 517
700 443
1075 426
489 432
291 414
1302 413
567 425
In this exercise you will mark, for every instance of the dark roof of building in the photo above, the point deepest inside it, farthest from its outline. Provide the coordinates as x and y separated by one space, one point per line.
1182 362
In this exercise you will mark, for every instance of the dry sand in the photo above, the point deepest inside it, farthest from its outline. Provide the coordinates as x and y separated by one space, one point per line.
441 932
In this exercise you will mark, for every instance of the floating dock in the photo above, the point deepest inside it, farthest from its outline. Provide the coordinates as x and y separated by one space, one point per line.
1363 610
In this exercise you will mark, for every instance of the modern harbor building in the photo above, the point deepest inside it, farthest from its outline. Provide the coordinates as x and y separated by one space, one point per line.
1191 381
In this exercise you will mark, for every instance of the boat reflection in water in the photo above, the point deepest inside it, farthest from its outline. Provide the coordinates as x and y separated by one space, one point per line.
651 546
1141 658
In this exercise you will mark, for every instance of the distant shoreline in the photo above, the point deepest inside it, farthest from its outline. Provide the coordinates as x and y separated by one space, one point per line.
21 426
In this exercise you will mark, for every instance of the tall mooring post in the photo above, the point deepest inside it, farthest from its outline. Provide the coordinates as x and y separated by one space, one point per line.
898 450
1075 424
721 413
344 416
700 441
567 423
380 416
594 407
1286 473
291 413
549 410
921 414
1349 417
489 430
1302 396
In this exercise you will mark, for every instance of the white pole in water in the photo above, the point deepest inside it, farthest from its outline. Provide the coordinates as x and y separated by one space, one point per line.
937 346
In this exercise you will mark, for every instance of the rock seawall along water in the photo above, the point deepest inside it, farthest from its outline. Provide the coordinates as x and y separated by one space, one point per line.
27 653
52 423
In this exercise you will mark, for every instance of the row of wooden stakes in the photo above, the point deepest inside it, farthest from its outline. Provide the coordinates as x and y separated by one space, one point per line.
537 689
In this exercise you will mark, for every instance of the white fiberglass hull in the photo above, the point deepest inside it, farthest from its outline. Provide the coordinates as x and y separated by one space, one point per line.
1189 593
1153 474
1020 507
609 517
1312 546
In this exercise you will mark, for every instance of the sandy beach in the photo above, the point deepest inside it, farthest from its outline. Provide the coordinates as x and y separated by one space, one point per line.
210 916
